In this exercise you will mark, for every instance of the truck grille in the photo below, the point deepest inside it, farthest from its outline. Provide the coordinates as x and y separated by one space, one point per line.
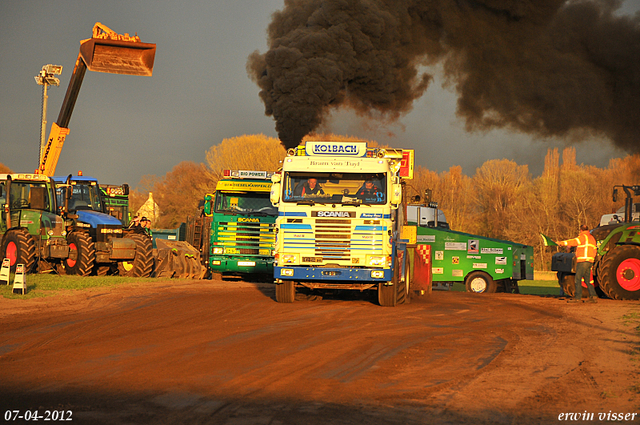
246 238
333 239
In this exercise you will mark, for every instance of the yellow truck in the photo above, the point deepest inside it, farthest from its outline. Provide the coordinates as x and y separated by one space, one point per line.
340 220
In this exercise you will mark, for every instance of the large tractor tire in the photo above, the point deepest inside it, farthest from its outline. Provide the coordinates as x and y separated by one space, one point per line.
286 291
619 274
142 264
82 254
480 283
19 247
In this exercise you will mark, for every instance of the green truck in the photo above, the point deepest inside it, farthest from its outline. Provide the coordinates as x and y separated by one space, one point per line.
235 232
484 265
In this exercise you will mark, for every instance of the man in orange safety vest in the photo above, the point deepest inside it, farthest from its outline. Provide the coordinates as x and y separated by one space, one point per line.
585 255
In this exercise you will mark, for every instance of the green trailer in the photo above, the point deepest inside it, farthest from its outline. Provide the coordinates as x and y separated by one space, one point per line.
484 265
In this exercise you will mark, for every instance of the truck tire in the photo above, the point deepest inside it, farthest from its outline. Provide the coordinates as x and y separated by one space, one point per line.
286 291
387 295
142 264
619 275
404 285
19 247
82 254
480 283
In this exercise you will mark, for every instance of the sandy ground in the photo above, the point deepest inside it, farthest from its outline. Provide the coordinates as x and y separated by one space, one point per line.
226 353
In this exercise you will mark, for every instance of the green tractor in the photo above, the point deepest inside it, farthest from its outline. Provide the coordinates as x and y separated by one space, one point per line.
31 231
616 270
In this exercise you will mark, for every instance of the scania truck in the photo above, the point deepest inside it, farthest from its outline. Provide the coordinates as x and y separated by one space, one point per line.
340 220
235 233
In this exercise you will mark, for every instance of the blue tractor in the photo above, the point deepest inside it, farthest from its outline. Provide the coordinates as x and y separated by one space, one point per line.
98 243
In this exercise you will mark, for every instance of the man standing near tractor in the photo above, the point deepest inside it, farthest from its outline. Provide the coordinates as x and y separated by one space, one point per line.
585 256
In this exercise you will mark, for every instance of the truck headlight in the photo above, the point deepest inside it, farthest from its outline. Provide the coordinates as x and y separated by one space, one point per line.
218 250
290 259
375 260
377 274
286 272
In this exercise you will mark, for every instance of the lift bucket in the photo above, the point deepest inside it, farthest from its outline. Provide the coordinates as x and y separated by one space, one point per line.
118 57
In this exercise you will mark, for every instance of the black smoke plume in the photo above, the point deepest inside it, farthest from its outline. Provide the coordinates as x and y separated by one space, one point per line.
544 67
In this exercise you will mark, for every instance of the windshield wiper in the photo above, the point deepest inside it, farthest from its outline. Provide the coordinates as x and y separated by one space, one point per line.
309 202
351 204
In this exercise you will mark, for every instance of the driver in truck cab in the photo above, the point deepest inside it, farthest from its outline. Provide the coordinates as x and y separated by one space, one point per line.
368 189
310 187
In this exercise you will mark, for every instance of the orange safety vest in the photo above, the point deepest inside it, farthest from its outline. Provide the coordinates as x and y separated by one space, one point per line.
586 244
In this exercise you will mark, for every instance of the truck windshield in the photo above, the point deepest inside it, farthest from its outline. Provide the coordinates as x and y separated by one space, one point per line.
85 196
344 188
244 203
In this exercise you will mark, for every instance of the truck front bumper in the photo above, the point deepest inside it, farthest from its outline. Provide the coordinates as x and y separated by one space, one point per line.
241 265
301 273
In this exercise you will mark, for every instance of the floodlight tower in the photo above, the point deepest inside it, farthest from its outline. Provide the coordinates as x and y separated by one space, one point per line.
46 78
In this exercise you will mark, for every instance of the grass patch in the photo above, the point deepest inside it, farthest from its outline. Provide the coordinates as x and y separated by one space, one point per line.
43 285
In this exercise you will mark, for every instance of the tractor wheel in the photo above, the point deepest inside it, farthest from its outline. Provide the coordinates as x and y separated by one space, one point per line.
19 247
142 264
619 275
82 254
286 291
480 283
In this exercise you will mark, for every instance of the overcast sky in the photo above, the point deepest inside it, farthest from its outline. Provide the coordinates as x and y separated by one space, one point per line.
124 127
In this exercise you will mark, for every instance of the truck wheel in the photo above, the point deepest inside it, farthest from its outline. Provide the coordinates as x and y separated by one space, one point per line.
387 295
285 291
18 246
82 254
619 275
403 287
480 283
142 264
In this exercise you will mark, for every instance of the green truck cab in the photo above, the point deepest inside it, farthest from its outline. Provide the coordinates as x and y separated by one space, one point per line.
484 265
242 219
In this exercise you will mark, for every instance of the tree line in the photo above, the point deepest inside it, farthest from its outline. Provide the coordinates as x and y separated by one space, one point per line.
501 200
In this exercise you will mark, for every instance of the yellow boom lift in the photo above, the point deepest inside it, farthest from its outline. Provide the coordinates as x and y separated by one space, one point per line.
108 52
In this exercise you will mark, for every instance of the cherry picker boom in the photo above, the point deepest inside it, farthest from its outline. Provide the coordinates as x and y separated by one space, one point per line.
108 52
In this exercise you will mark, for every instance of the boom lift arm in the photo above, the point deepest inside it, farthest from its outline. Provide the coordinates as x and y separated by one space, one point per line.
108 52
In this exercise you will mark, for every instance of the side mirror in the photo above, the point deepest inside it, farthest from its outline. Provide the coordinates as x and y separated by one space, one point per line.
207 204
275 193
615 195
125 189
396 193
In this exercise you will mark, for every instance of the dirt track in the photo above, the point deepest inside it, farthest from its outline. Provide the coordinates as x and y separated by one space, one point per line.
227 353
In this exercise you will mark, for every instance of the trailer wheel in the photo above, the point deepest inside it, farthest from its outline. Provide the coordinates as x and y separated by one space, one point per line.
18 246
82 254
142 264
480 283
285 291
619 277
